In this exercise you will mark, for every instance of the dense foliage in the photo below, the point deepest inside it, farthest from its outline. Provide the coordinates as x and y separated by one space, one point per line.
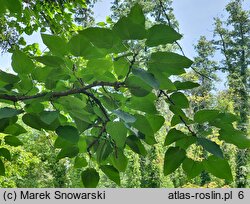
95 95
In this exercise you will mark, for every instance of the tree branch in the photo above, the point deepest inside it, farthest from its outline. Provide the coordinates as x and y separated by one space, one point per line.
52 95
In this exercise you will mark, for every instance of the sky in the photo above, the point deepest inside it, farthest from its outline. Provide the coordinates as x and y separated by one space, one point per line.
195 18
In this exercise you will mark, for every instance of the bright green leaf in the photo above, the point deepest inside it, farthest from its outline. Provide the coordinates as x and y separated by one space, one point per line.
80 162
21 63
161 34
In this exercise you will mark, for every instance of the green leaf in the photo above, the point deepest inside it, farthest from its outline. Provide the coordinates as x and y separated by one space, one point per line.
119 160
80 162
185 85
185 142
14 130
33 121
103 151
49 117
112 173
121 67
12 141
90 178
218 167
68 133
132 27
143 125
210 146
21 63
164 82
236 137
192 168
8 78
56 44
146 77
144 104
137 86
69 151
7 112
161 34
135 145
155 121
79 45
118 132
169 62
13 6
202 116
174 135
5 153
2 168
101 37
52 61
99 66
179 99
126 117
174 156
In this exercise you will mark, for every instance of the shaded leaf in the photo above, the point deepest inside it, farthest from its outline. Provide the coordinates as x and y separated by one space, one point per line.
136 145
112 173
210 146
90 178
192 168
174 156
68 133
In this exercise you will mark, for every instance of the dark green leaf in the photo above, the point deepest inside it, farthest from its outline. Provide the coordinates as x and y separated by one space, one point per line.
69 151
12 141
90 178
174 135
68 133
7 112
155 121
80 162
137 86
49 117
112 173
174 156
185 142
210 146
185 85
135 144
103 151
161 34
118 132
180 100
202 116
192 168
235 137
14 130
5 153
146 77
218 167
21 63
2 168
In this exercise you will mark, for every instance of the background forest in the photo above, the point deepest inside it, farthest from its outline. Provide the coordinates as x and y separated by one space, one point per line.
35 164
